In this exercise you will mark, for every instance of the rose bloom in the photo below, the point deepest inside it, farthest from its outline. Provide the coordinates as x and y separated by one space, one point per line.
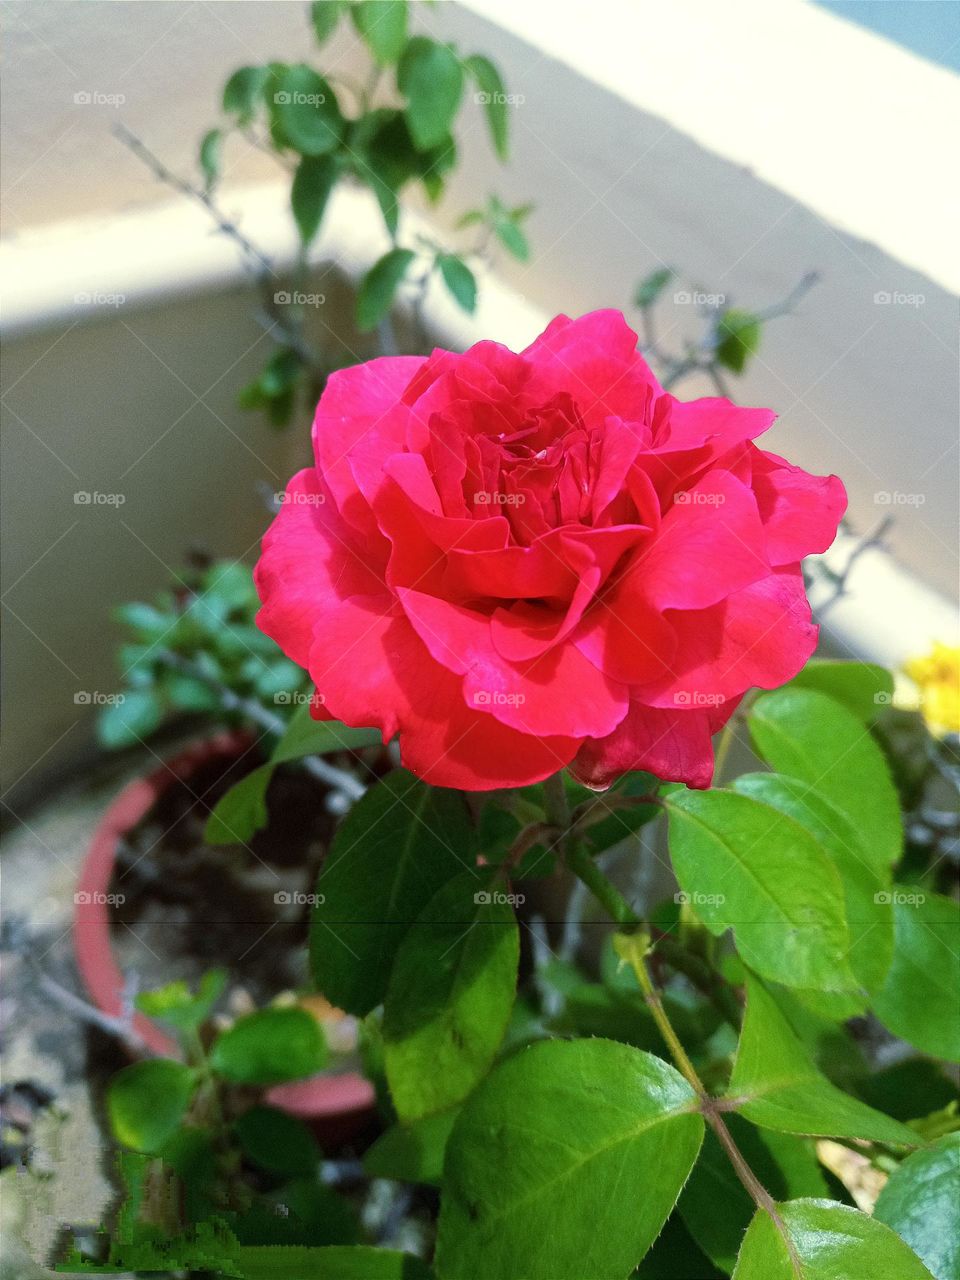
524 562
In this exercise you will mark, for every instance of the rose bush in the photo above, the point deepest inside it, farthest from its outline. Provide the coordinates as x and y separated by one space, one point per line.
520 562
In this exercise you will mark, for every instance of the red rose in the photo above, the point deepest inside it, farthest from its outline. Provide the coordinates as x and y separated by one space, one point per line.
522 562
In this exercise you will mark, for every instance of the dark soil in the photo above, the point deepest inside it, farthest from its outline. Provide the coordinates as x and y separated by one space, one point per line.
188 906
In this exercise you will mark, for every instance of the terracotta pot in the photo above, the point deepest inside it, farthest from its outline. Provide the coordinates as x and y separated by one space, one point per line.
336 1106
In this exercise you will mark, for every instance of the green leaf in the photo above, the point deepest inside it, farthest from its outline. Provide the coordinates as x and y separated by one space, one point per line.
565 1163
412 1152
824 1241
512 239
746 866
738 337
325 15
305 736
805 734
866 891
243 91
312 184
269 1047
382 25
211 147
146 621
716 1206
242 811
394 849
337 1262
921 996
379 286
128 722
306 111
459 279
178 1006
147 1101
278 1142
430 77
450 994
776 1085
650 288
492 97
921 1202
862 687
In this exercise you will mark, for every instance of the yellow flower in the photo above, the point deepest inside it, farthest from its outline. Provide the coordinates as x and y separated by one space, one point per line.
937 675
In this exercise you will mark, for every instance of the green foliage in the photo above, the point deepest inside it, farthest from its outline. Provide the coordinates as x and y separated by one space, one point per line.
312 185
395 848
195 650
379 286
531 1099
548 1168
270 1047
147 1101
747 866
459 279
775 1084
494 99
383 26
179 1007
430 77
921 996
652 286
738 337
450 994
921 1202
819 1240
